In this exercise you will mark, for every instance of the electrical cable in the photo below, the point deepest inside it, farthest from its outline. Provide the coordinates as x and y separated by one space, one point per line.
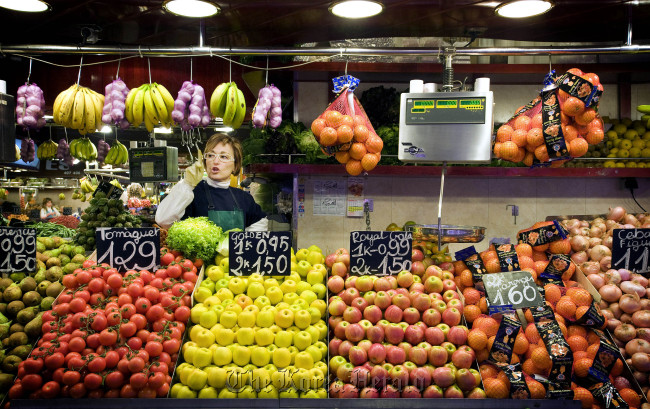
635 201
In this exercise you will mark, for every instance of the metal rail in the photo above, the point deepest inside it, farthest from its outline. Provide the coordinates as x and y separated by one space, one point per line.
36 49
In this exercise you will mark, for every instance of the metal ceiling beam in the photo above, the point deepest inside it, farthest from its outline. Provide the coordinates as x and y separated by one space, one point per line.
149 51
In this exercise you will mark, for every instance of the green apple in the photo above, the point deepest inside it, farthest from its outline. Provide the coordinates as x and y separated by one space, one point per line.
299 304
237 378
309 394
235 307
225 303
302 286
241 355
322 393
225 393
264 337
243 300
322 347
302 340
317 378
237 285
196 312
215 273
294 276
265 319
282 305
321 365
284 318
212 301
321 305
288 286
246 319
290 298
302 254
275 328
301 379
208 318
309 296
222 356
208 393
303 267
315 353
313 332
222 283
283 339
260 356
223 336
255 289
245 336
320 290
304 360
260 378
335 362
289 393
184 392
271 348
201 294
247 392
216 376
224 264
274 294
225 294
315 277
197 379
204 337
281 358
271 368
302 319
228 319
281 379
270 282
315 257
314 315
270 392
255 278
293 329
322 327
262 301
202 357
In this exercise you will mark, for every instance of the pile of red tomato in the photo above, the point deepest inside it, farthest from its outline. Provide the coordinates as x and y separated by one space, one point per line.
111 335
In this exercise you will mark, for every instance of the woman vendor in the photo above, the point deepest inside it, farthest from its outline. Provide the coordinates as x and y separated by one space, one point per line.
213 197
48 211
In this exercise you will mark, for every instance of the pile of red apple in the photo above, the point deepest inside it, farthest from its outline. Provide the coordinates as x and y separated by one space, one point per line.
398 336
110 334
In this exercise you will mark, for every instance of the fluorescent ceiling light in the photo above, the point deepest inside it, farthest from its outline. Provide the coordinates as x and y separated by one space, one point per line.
106 129
25 5
356 8
223 129
163 130
523 8
192 8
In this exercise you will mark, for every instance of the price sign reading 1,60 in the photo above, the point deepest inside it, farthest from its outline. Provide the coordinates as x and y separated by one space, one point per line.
266 253
380 252
17 249
514 290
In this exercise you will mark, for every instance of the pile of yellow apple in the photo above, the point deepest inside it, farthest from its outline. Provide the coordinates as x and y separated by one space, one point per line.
257 336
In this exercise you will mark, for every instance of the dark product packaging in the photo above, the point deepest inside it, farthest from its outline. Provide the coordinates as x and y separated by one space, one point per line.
557 265
559 351
593 318
608 396
605 358
543 235
552 126
507 257
518 386
474 264
501 351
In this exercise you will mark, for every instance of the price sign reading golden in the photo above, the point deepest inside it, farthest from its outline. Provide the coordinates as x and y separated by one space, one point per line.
510 291
17 249
266 253
380 253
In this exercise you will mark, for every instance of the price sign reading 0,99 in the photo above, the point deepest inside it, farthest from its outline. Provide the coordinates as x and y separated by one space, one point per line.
17 249
262 252
380 253
129 248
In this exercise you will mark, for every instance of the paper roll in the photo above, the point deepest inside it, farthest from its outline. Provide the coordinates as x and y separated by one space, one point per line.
417 86
430 87
482 84
3 87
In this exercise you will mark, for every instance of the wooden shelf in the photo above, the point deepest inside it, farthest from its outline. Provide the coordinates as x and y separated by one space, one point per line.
460 171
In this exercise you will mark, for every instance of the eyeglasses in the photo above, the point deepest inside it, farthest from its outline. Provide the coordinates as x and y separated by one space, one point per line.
222 157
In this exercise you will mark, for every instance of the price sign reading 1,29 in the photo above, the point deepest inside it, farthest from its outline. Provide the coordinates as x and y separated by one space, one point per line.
511 290
380 253
262 252
630 250
17 249
129 248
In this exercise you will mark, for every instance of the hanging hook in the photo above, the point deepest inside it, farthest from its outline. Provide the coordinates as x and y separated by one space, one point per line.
80 64
191 67
347 59
149 64
117 74
229 70
30 70
267 71
550 63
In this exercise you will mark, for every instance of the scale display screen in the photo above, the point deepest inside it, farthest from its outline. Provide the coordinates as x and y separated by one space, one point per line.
420 111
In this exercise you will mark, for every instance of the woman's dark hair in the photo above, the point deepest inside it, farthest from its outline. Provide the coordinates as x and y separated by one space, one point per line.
47 199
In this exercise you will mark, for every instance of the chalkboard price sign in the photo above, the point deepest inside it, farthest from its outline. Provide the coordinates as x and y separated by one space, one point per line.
129 248
17 249
380 253
511 290
262 252
630 250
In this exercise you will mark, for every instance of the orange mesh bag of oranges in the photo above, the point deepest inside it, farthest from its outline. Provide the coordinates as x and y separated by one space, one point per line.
556 126
344 131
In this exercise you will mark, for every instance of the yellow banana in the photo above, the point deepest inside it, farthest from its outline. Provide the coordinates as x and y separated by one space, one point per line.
64 114
149 108
148 123
56 107
240 112
138 108
218 100
231 105
159 103
89 108
167 97
78 111
128 104
98 100
644 109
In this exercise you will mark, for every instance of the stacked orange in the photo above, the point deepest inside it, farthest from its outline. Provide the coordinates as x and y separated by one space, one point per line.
358 146
522 139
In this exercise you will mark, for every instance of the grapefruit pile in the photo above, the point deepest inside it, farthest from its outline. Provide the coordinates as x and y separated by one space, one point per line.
522 140
351 139
568 303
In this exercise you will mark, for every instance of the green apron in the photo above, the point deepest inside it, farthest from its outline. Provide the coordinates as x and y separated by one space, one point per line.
226 219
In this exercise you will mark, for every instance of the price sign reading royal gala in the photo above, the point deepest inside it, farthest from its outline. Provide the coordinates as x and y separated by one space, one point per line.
17 249
262 252
380 253
511 290
129 248
630 248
